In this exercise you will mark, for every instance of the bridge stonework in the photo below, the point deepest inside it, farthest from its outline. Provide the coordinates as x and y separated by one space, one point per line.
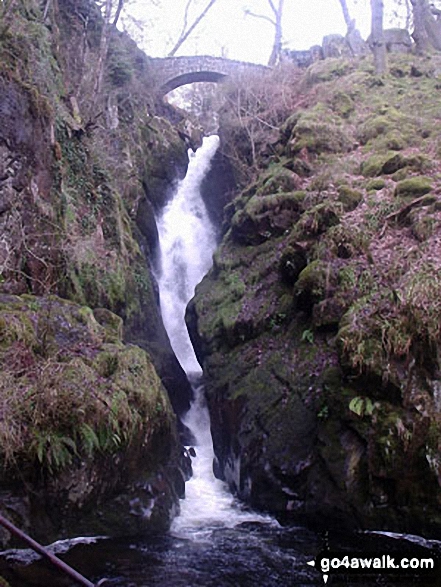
171 72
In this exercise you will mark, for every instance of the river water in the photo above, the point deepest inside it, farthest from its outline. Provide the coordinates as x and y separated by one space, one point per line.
215 541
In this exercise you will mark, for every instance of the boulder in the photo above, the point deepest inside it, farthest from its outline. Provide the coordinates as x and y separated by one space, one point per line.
88 436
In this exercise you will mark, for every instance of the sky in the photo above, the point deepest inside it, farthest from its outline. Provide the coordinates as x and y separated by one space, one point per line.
226 31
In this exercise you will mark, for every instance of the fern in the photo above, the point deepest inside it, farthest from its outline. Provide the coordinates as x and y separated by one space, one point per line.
89 440
362 406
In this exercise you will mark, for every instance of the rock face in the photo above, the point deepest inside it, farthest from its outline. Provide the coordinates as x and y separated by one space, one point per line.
85 422
83 196
318 325
83 170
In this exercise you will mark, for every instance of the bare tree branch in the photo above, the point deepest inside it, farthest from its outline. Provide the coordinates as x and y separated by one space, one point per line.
263 16
276 23
188 32
185 23
118 11
273 8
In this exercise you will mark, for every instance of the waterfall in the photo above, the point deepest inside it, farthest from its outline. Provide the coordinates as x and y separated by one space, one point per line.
187 241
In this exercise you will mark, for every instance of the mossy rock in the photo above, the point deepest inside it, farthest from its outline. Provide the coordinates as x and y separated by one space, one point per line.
384 124
264 217
414 187
373 165
280 180
383 163
16 326
346 241
326 315
328 69
319 131
400 175
292 262
392 141
83 395
375 184
112 323
349 197
342 104
399 161
423 224
312 284
317 220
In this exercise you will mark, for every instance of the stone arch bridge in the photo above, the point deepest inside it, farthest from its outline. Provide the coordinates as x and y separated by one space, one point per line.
171 72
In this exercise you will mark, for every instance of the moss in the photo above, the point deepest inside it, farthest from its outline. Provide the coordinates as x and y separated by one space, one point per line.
413 187
264 217
384 125
112 323
423 224
120 67
81 396
313 280
280 180
319 131
400 174
317 220
342 104
292 262
374 164
16 326
375 184
349 197
327 70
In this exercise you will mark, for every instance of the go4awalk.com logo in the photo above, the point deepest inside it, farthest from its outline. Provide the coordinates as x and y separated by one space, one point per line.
329 563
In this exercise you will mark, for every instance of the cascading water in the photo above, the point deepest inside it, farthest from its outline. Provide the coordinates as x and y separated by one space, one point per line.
187 242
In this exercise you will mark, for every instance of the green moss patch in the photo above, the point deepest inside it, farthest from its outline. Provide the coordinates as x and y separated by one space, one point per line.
66 393
413 187
319 130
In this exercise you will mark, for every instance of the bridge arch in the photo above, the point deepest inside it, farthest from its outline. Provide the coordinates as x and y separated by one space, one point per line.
171 72
189 78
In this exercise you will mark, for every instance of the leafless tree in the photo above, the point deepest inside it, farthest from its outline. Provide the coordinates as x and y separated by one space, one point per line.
276 20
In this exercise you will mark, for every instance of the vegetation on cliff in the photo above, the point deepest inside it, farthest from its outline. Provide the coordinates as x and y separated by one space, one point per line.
318 325
83 169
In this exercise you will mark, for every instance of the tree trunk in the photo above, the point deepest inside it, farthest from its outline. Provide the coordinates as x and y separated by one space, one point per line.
419 34
377 37
348 20
277 45
433 25
102 55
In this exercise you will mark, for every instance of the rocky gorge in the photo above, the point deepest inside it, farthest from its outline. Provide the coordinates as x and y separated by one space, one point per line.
318 326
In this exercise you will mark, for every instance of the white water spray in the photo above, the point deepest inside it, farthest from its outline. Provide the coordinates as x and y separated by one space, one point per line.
187 241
